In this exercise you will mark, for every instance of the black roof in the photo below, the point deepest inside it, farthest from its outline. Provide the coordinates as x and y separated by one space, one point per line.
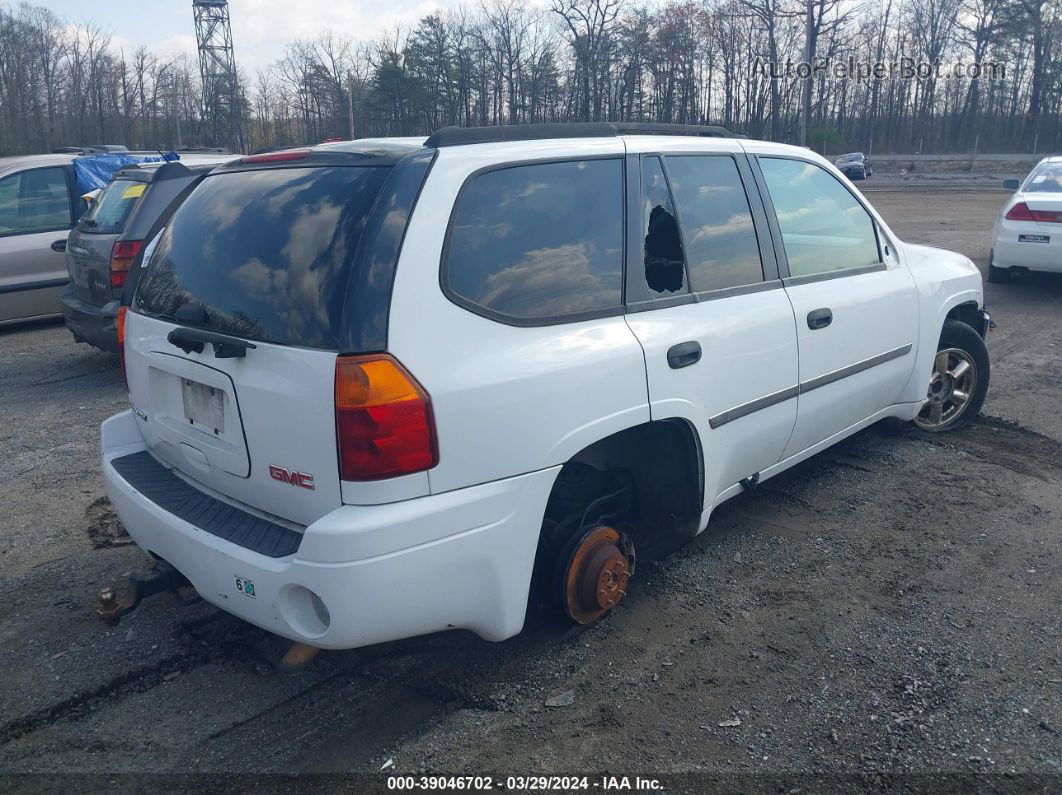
459 136
175 169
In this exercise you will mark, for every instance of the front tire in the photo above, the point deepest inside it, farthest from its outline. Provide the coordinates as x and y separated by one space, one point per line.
959 382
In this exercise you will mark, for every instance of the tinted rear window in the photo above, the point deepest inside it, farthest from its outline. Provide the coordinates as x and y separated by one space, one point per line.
265 254
540 242
113 207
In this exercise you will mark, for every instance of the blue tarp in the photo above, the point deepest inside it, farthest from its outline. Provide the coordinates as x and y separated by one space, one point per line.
95 171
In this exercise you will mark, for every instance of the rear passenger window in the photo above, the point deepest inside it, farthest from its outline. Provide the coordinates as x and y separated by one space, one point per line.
721 246
541 241
36 200
823 227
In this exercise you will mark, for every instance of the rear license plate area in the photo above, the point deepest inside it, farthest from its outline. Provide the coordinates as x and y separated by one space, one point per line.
204 406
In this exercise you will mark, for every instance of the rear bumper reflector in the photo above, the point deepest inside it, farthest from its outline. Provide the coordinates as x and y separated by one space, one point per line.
176 496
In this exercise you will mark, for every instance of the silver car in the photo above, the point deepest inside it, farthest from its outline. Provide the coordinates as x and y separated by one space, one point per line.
38 206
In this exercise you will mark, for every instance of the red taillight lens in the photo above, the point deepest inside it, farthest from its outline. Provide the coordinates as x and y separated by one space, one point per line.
1021 212
119 324
277 157
384 423
122 255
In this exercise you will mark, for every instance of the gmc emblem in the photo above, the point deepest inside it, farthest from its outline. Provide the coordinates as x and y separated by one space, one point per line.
301 479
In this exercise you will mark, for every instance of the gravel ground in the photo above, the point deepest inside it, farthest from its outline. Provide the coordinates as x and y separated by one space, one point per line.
888 610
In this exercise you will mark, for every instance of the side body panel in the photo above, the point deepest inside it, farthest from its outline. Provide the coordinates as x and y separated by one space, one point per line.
507 399
859 363
875 326
31 274
749 352
945 279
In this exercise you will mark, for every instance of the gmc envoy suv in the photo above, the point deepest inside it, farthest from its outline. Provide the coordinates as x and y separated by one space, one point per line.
389 387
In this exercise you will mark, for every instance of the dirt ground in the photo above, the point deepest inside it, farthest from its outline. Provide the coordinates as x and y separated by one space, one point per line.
887 611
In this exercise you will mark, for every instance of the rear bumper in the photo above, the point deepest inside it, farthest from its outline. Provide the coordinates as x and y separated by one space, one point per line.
88 322
461 559
1009 251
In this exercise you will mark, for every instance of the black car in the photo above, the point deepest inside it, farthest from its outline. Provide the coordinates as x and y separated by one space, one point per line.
107 240
854 165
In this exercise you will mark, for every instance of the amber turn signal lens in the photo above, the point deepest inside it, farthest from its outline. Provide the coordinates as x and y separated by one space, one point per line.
384 422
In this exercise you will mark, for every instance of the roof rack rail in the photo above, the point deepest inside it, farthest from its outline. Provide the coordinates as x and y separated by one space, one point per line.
459 136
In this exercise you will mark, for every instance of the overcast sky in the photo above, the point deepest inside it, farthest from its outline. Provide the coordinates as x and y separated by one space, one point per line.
260 28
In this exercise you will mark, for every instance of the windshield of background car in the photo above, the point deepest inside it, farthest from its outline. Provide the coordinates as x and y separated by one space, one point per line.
113 207
1047 178
265 254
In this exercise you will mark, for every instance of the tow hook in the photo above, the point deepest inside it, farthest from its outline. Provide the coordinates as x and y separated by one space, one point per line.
162 578
297 657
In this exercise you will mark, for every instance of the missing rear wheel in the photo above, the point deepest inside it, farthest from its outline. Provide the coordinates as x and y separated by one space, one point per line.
594 573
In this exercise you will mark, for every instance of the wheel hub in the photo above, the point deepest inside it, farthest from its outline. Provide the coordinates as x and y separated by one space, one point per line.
950 389
597 574
941 387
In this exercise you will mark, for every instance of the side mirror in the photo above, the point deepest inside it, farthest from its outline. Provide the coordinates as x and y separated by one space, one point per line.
1011 184
59 246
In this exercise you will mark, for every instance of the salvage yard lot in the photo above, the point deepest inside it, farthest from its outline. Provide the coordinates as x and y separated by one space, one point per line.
891 605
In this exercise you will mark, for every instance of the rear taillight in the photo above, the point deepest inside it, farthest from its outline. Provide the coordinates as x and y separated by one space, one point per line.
122 255
119 324
1021 212
384 423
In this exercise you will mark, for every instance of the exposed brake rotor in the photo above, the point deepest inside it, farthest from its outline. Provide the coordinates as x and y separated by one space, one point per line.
596 573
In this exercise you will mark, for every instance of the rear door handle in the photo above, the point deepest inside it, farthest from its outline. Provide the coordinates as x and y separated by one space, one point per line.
819 318
59 246
683 354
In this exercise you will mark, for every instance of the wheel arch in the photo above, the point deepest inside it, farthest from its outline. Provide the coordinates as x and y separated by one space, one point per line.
968 312
959 305
662 461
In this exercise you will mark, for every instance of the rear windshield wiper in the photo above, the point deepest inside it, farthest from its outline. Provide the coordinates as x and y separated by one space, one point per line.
192 340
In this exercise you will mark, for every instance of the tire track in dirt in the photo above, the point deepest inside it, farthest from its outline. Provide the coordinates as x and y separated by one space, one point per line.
1003 442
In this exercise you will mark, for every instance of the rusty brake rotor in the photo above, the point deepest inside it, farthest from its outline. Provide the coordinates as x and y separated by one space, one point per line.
597 573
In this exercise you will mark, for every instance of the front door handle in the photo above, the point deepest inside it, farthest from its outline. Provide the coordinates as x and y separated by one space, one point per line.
819 318
683 354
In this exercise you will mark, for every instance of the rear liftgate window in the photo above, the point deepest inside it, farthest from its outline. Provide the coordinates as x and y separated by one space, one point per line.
539 243
112 210
264 255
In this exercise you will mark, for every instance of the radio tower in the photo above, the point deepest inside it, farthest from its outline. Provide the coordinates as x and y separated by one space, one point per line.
217 67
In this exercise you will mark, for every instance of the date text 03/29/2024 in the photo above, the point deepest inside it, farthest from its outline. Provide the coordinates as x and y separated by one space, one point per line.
525 783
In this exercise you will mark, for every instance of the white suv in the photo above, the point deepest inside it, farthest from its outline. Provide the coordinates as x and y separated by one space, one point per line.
380 387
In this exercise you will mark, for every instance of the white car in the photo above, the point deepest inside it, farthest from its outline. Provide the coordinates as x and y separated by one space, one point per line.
383 389
1028 232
